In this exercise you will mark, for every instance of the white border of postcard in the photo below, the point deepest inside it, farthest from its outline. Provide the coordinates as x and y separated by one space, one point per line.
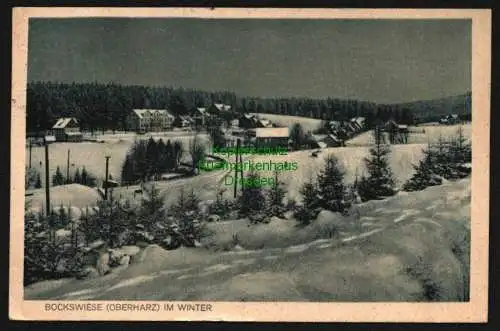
473 311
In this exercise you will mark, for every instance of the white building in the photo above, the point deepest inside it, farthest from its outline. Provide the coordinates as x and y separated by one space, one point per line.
150 120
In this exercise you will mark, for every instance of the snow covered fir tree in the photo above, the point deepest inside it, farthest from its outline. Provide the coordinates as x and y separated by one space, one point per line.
379 183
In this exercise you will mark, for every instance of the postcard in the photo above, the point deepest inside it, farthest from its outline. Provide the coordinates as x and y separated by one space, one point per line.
197 164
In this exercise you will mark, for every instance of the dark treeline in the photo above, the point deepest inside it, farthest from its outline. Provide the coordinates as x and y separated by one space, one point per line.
150 158
105 106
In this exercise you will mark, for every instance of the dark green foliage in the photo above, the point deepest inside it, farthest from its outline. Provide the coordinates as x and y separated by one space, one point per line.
424 175
44 258
152 210
442 160
185 226
149 159
309 209
108 223
196 151
379 183
78 177
58 178
331 189
213 127
297 136
323 128
221 207
86 178
251 199
105 106
38 183
32 179
275 197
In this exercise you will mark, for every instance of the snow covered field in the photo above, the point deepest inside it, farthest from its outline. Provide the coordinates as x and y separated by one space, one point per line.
92 154
308 124
418 134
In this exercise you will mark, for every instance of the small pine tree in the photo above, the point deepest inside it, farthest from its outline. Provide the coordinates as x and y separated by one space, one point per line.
177 150
38 183
460 154
152 209
58 178
84 177
128 175
251 200
331 188
179 208
221 206
379 182
78 177
460 149
310 203
276 194
192 201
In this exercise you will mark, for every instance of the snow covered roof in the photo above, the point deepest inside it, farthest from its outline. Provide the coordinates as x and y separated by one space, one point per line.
322 144
265 123
73 133
63 122
319 137
186 118
332 137
141 112
271 132
50 139
221 106
358 120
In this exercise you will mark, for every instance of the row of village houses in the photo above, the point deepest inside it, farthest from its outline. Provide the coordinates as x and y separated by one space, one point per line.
257 129
248 128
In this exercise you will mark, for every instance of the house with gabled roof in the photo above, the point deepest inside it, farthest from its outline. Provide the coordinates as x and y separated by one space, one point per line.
218 108
184 121
150 120
269 137
67 129
199 115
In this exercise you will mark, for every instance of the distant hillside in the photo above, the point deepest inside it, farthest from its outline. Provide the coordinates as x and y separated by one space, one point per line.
458 104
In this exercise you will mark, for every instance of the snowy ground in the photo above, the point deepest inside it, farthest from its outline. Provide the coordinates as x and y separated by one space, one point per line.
308 124
421 134
366 262
92 154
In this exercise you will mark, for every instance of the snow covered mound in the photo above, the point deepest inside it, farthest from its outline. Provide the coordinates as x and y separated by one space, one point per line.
410 247
76 195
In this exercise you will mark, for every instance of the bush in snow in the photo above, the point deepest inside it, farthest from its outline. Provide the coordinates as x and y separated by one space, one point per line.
424 175
221 207
44 258
442 160
251 199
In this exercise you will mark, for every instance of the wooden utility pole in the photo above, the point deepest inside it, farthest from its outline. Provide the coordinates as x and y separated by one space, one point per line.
236 168
47 179
106 180
67 170
241 166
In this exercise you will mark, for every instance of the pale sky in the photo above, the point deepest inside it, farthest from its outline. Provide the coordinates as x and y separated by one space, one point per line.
383 61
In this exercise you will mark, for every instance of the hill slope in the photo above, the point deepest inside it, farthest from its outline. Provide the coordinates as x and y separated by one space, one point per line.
417 251
459 104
